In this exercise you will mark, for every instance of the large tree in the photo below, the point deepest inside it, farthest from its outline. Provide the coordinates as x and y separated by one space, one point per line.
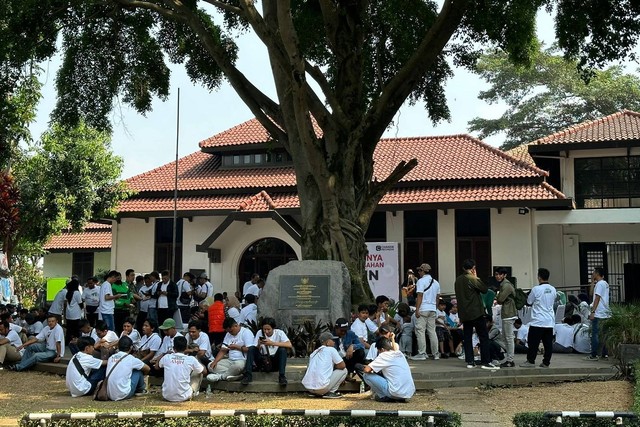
550 95
366 57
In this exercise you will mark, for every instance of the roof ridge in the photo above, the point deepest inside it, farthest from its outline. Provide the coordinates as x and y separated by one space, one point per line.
583 125
255 198
509 157
253 119
166 165
554 190
412 138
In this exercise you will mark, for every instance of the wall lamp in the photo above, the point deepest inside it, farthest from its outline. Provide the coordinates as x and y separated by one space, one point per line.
523 211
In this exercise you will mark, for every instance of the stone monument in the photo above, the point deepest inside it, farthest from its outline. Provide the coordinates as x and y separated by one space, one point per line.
302 291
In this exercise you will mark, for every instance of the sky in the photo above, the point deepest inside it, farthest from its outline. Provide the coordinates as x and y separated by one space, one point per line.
146 142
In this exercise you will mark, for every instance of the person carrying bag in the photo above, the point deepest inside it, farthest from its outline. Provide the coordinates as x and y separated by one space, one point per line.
102 392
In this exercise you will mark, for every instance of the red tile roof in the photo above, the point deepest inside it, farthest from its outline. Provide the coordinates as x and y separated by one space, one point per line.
233 202
521 152
94 236
621 126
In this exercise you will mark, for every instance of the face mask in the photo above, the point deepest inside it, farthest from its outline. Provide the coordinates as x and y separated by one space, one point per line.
118 282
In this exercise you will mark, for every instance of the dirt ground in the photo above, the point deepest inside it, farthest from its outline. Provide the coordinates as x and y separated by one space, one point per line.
25 392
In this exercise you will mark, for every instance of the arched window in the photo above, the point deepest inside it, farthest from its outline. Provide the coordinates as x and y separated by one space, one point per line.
263 256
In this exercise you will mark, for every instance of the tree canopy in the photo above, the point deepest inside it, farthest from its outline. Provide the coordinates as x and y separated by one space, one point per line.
367 58
550 95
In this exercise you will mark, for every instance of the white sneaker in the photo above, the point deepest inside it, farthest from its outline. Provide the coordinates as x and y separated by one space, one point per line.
214 378
490 366
233 378
461 357
436 357
419 356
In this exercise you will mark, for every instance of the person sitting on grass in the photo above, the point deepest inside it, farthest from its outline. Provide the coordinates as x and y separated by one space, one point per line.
47 346
106 341
236 344
182 373
272 343
127 378
326 370
389 375
84 371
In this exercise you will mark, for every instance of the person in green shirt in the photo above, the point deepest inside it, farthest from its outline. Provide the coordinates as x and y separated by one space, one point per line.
123 304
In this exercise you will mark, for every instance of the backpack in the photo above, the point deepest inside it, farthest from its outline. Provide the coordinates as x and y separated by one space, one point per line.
520 298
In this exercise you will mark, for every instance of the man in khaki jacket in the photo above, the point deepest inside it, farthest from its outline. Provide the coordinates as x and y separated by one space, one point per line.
508 314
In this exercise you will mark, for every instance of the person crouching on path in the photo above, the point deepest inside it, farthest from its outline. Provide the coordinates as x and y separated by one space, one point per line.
182 373
326 370
389 375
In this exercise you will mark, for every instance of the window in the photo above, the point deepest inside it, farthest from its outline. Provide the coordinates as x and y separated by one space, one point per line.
82 265
607 182
421 239
273 157
473 239
377 231
164 246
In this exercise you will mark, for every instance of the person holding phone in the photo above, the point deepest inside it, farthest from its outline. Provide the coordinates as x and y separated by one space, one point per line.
107 298
236 345
269 351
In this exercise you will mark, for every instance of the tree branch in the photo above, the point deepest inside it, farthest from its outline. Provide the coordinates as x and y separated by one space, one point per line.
377 190
229 8
317 75
330 18
167 13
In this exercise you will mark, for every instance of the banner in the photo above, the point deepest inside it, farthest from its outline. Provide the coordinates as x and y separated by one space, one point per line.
6 281
382 267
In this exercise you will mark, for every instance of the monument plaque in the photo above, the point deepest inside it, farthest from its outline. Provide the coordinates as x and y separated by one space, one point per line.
304 292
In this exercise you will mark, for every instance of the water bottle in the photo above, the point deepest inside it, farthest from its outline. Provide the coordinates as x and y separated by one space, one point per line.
208 391
361 386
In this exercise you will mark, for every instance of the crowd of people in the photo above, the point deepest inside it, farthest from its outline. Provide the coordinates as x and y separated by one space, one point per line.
147 325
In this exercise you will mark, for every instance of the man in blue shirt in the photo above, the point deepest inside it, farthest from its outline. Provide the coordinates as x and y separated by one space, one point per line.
348 345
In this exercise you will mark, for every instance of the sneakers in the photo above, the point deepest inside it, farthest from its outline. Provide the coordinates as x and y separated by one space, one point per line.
282 380
419 356
233 377
471 365
444 355
593 358
142 393
332 395
542 365
436 357
214 378
383 399
490 366
507 365
461 356
246 380
527 364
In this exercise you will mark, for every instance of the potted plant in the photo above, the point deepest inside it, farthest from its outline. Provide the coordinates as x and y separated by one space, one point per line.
621 332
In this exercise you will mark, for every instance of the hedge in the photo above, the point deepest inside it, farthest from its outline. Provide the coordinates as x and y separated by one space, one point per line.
258 421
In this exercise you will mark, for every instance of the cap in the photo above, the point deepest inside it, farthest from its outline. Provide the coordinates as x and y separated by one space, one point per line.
424 267
326 336
342 323
203 276
168 324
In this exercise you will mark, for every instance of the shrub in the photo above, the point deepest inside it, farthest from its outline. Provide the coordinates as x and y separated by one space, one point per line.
537 419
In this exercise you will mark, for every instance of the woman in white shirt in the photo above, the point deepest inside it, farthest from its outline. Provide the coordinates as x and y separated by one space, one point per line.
129 331
233 309
150 341
73 313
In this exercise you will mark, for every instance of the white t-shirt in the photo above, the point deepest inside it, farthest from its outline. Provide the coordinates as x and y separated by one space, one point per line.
14 339
35 328
254 290
144 303
564 334
74 312
248 313
371 325
277 336
105 306
151 342
203 343
51 337
455 318
135 337
523 334
76 383
109 337
602 310
246 286
234 313
167 343
153 301
394 367
321 363
541 298
206 287
183 286
244 338
163 301
429 294
92 296
57 306
178 368
360 329
582 340
119 384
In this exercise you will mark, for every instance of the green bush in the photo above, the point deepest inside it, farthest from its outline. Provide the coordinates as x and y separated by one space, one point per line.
636 388
257 421
536 419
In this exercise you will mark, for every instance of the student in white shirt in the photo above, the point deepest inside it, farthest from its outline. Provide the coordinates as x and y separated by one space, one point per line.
249 313
359 326
254 279
581 335
47 346
543 318
599 312
233 309
57 305
389 375
91 298
198 343
83 381
107 299
236 344
9 343
34 325
563 333
127 377
428 294
170 332
150 341
129 331
182 373
326 370
73 310
106 341
273 343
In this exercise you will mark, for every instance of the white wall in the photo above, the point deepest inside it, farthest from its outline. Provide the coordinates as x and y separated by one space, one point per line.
395 233
511 244
447 269
195 233
132 245
551 253
57 265
101 261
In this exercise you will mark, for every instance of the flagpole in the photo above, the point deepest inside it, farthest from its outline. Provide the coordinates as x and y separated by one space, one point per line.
175 193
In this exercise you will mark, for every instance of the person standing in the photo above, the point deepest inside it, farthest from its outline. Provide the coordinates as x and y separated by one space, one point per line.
509 314
91 298
428 293
469 289
107 299
599 311
167 295
254 279
73 310
543 319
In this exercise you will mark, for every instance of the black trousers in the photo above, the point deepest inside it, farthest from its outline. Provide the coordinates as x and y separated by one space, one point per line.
537 334
358 357
278 361
480 324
